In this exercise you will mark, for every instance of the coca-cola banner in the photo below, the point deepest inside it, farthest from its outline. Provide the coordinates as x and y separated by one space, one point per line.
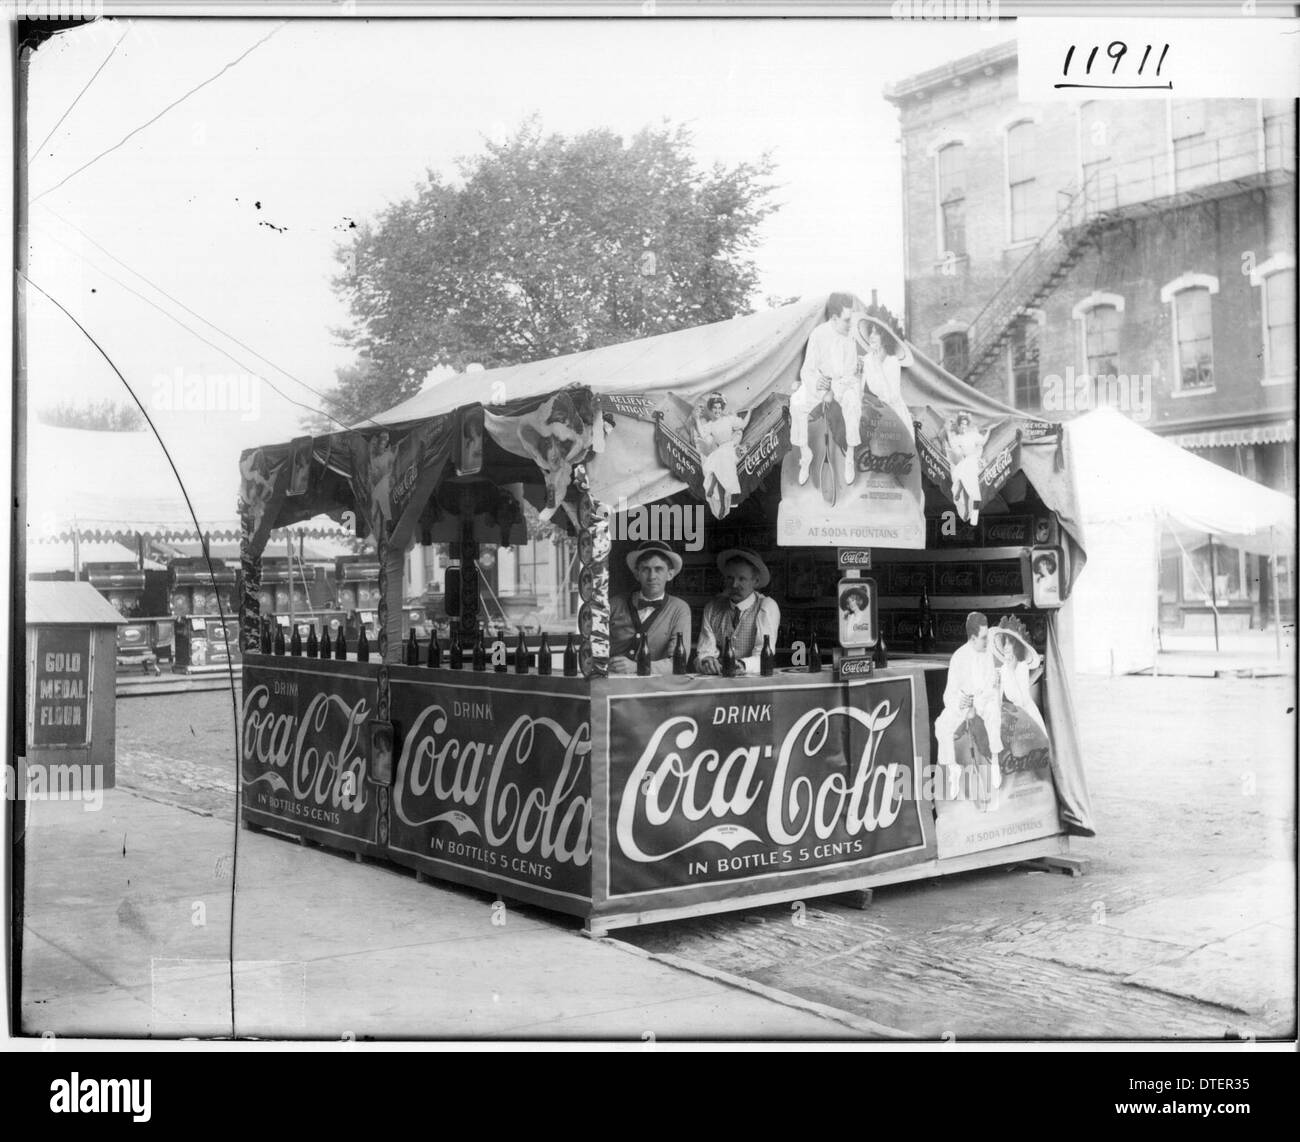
492 783
745 789
305 748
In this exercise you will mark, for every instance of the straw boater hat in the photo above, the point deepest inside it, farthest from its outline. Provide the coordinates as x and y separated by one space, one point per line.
750 557
654 547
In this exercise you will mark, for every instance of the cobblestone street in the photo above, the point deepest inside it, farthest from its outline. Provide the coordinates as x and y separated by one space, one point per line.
1182 927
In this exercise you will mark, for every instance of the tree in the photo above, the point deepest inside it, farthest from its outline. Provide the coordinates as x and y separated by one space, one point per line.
97 416
551 245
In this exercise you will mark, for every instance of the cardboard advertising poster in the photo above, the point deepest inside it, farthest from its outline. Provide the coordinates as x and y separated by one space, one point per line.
305 751
853 475
492 784
1045 567
781 787
857 603
987 813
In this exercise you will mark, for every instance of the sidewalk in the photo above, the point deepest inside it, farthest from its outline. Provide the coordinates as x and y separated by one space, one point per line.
127 934
1251 653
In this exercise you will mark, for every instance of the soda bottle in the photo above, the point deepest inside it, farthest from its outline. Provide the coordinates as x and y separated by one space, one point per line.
879 658
279 639
457 651
728 659
266 634
313 645
925 629
766 659
679 655
544 655
412 650
522 662
295 642
643 656
814 655
570 658
479 657
363 647
435 650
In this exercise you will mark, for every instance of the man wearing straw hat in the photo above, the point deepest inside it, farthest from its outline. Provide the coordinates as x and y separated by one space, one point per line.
739 613
650 610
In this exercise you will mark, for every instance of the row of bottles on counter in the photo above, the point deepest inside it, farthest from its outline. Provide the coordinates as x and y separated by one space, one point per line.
324 647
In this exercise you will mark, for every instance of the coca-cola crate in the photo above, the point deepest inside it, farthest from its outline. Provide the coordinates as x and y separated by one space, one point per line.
950 627
956 534
906 628
909 578
957 579
1007 530
1005 577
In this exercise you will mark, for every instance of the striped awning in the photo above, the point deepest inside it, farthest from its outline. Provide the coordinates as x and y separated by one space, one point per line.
1282 432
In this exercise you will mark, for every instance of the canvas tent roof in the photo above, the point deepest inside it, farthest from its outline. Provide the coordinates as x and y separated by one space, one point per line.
58 555
746 359
1123 472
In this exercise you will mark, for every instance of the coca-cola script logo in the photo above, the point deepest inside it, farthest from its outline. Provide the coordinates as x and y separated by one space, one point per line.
511 792
760 454
956 579
674 780
279 743
1008 531
894 464
855 667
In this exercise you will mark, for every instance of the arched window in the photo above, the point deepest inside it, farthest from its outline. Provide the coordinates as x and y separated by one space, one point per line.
954 354
1023 353
952 199
1275 280
1021 188
1101 340
1193 332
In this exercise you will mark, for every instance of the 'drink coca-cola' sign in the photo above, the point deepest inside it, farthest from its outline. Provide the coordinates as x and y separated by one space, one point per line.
492 783
778 784
305 748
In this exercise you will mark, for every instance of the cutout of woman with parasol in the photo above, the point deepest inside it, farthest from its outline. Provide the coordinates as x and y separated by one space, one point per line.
1019 667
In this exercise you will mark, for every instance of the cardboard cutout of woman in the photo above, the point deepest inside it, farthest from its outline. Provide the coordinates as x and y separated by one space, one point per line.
716 437
1019 666
965 447
882 368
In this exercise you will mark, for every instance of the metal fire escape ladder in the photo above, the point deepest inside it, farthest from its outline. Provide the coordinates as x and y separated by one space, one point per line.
1073 229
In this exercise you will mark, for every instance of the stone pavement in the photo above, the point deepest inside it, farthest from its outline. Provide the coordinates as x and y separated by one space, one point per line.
127 933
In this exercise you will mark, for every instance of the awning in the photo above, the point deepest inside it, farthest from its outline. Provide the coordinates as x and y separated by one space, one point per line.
1282 432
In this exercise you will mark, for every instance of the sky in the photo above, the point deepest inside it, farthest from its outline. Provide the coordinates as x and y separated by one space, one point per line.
235 200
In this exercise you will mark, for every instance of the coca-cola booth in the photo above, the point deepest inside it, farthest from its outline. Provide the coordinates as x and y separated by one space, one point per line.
633 799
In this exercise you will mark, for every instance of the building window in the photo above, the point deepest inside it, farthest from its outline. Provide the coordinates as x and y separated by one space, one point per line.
1193 156
952 200
1194 341
1279 324
1020 181
1231 577
1024 365
1101 340
954 354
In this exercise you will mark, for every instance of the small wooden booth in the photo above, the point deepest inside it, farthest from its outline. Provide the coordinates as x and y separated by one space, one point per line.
627 800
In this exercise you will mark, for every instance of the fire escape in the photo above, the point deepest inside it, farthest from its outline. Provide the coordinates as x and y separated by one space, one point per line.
1109 195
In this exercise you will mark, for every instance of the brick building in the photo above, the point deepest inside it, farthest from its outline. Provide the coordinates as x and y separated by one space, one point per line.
1139 253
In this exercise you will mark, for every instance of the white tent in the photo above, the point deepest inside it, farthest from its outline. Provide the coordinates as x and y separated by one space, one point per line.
1138 493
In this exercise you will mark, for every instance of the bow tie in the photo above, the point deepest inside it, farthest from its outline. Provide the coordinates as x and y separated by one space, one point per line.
653 604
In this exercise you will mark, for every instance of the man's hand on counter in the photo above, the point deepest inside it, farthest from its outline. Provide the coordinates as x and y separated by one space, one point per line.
622 666
710 665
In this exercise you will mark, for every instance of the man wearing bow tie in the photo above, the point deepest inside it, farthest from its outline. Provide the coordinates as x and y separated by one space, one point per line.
739 613
649 610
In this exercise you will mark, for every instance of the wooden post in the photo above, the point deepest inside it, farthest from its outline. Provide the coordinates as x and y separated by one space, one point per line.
1214 597
288 550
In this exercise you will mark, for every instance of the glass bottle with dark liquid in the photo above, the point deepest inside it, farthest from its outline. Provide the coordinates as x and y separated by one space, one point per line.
266 640
766 659
879 657
457 651
814 655
295 642
570 658
313 646
279 639
340 645
434 657
925 629
363 646
412 650
479 656
728 662
544 655
643 657
521 655
679 655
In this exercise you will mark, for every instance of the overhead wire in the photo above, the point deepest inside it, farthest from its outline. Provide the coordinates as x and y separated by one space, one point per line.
194 313
174 103
113 51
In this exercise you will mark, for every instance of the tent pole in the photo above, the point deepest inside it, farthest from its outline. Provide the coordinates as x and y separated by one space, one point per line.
1277 603
1214 598
288 548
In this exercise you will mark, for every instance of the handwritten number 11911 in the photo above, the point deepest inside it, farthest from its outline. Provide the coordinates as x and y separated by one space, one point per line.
1116 50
